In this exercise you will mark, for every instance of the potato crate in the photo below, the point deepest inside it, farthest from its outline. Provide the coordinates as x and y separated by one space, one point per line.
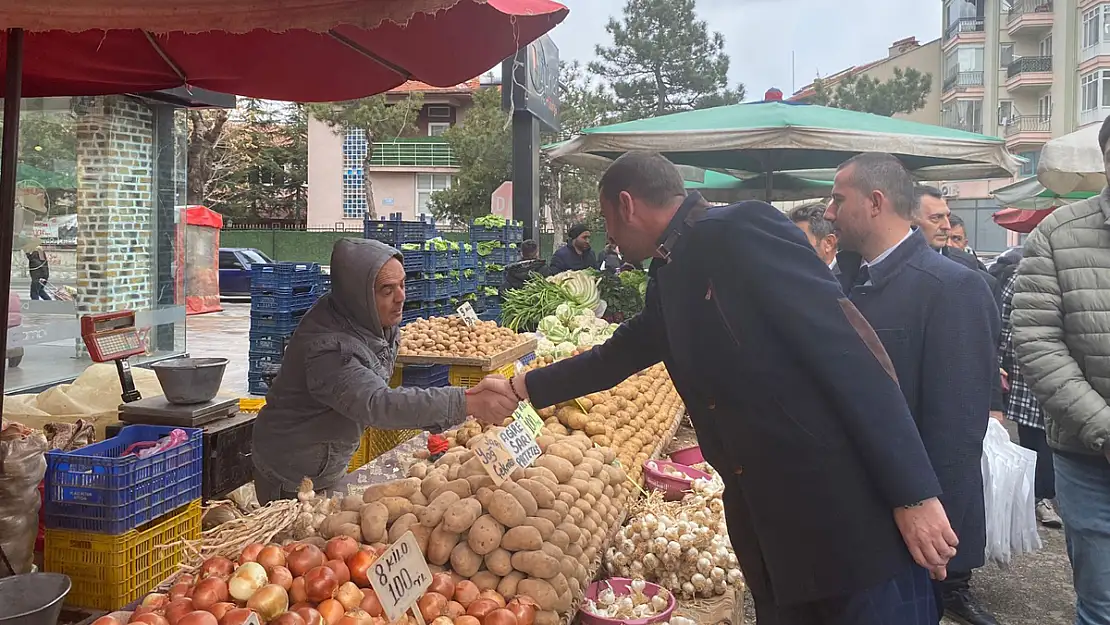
110 572
469 377
376 442
97 489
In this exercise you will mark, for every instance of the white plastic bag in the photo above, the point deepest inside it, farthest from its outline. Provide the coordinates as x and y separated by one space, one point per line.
1008 472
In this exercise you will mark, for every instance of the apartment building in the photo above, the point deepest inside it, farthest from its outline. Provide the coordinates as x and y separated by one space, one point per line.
404 171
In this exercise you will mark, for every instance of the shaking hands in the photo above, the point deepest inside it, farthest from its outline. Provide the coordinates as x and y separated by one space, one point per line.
492 401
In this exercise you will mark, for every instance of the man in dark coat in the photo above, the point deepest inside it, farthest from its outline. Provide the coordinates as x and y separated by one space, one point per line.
516 274
933 217
577 253
938 322
830 497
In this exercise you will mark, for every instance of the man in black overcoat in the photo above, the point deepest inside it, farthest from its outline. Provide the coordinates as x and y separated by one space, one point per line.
938 322
830 497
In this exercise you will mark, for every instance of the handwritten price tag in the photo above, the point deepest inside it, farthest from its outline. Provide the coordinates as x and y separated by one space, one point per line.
469 317
495 457
400 576
526 415
521 443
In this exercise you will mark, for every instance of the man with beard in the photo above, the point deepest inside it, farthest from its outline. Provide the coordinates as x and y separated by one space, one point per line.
577 253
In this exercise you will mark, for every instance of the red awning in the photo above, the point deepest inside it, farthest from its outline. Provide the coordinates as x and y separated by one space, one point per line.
1021 219
203 216
318 63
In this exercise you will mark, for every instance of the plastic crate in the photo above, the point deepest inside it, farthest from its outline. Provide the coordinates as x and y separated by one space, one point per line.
257 383
502 256
263 363
285 302
412 313
275 321
527 358
509 233
397 232
283 277
417 289
325 284
440 288
250 404
268 343
437 260
93 489
492 278
469 377
425 376
395 379
414 260
468 285
468 260
490 314
110 572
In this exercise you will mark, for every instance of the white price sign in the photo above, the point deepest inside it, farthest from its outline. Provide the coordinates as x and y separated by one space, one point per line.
400 576
521 443
495 457
466 311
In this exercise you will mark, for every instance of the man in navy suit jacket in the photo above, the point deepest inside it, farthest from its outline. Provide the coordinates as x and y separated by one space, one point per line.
938 322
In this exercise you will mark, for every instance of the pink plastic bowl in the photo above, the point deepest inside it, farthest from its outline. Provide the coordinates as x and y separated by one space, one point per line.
623 586
673 488
689 456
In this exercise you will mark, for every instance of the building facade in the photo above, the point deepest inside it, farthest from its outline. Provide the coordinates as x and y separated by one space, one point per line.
403 171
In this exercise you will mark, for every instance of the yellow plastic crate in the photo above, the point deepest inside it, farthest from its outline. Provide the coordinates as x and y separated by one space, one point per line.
469 377
251 404
109 572
395 379
376 442
359 457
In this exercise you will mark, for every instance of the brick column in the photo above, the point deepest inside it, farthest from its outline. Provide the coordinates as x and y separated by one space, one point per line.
115 204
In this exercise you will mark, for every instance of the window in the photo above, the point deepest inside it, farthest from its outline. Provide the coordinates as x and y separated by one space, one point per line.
228 260
436 129
255 257
1044 106
439 112
1092 32
426 184
1029 167
354 192
1046 46
1088 92
1005 112
963 115
1005 54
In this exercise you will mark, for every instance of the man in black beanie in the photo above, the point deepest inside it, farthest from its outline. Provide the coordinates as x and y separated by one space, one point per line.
576 254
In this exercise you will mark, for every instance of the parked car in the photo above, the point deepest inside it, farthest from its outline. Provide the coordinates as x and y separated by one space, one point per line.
235 269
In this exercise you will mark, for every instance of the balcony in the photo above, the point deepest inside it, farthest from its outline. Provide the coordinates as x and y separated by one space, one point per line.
961 81
420 153
964 26
1027 130
965 126
1029 72
1030 18
1093 116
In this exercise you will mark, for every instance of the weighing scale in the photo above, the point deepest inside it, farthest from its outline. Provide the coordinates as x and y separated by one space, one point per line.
113 337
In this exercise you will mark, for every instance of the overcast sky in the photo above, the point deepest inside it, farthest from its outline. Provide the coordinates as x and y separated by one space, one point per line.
825 36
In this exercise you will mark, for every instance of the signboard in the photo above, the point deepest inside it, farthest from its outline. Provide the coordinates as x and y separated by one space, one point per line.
58 230
501 201
466 311
400 576
521 443
515 446
536 67
527 415
495 457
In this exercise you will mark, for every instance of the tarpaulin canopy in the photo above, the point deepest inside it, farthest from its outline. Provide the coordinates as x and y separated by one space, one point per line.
298 50
198 265
1030 194
203 216
1073 163
1020 219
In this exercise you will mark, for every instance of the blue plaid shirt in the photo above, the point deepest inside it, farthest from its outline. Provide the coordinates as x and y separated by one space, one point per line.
1021 406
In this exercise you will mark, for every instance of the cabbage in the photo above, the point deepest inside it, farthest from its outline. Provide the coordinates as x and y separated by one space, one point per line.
558 334
564 312
549 323
544 347
564 350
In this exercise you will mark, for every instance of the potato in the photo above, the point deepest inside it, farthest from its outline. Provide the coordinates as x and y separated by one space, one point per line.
484 495
418 469
540 591
575 549
396 488
499 561
566 451
582 486
560 508
547 617
595 487
431 483
591 466
542 495
525 498
486 580
506 509
402 525
433 513
535 564
460 487
485 535
397 507
551 515
508 586
545 441
422 535
535 472
331 524
453 457
372 521
560 539
552 550
522 538
561 467
349 529
440 544
351 503
568 566
480 481
472 468
596 454
559 583
464 561
460 515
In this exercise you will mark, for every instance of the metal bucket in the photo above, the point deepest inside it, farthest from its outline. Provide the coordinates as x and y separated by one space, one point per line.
190 380
33 598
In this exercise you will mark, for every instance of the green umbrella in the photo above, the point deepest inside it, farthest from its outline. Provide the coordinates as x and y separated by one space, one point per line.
1031 194
718 187
772 137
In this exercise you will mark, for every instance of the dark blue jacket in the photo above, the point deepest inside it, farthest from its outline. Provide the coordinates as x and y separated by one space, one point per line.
791 406
938 322
567 258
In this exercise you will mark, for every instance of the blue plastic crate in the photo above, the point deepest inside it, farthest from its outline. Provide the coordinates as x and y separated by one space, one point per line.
527 358
283 277
453 289
325 284
418 289
436 260
453 259
263 363
414 260
510 233
412 313
502 256
291 302
492 278
268 343
491 314
468 285
397 232
425 376
440 288
95 489
272 321
468 260
257 383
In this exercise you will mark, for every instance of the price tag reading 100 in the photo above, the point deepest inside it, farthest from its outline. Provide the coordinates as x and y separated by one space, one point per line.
400 576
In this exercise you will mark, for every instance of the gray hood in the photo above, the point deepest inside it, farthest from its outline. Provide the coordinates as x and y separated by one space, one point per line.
355 264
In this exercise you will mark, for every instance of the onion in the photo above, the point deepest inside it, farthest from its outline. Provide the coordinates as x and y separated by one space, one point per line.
217 566
198 617
311 616
238 616
331 610
443 583
371 603
297 592
349 596
454 609
178 590
281 576
177 609
250 553
341 548
246 581
320 583
431 605
525 612
150 618
500 616
209 592
479 608
342 573
494 596
443 620
356 617
269 601
221 609
106 620
271 556
359 566
466 619
466 592
288 618
141 610
304 557
156 600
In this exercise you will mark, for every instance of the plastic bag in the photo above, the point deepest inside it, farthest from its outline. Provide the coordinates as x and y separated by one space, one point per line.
22 467
1008 472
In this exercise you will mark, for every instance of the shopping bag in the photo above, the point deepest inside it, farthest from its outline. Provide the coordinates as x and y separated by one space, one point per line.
1008 472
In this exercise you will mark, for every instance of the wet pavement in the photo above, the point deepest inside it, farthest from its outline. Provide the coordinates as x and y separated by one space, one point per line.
223 335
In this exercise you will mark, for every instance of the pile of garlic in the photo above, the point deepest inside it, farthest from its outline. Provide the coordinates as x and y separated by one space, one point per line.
682 546
634 605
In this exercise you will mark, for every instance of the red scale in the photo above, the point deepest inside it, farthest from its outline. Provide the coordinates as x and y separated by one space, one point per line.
113 337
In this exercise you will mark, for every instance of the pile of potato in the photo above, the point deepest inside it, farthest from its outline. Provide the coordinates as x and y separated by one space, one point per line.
450 336
540 534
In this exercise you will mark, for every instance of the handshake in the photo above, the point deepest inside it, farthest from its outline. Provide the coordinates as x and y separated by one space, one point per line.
494 399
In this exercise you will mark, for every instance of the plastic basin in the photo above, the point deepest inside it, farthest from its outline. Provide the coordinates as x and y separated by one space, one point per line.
33 598
688 456
190 380
623 586
673 488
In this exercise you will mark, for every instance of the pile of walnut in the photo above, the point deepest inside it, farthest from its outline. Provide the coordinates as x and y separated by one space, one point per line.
450 336
632 417
540 534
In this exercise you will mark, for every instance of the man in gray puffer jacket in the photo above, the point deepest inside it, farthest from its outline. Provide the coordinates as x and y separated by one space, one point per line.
1061 321
334 380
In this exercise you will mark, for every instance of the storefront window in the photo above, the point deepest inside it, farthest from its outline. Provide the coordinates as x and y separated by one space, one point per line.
100 188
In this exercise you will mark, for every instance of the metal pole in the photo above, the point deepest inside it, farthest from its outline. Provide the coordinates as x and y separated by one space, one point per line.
9 151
